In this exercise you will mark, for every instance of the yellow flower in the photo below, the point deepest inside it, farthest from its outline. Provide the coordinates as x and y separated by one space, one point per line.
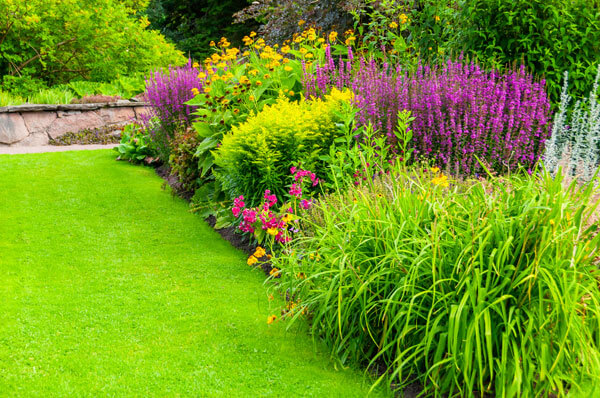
403 18
299 39
287 68
267 76
291 93
207 90
321 40
350 40
441 180
274 271
225 101
333 36
259 252
195 65
436 18
269 257
301 275
285 49
212 43
244 80
251 98
195 91
309 55
252 34
201 75
393 25
271 319
246 53
301 22
258 83
253 72
272 231
286 219
303 50
252 260
435 169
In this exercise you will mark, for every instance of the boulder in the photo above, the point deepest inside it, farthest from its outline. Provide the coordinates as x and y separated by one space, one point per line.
117 115
12 128
35 139
38 122
74 122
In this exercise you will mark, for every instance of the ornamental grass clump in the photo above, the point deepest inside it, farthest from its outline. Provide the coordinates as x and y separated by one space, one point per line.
466 287
461 111
168 91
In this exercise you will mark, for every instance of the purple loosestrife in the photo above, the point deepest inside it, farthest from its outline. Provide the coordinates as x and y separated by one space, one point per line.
461 112
167 93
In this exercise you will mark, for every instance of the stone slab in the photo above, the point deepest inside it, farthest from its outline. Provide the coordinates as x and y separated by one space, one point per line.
74 123
12 128
37 122
116 115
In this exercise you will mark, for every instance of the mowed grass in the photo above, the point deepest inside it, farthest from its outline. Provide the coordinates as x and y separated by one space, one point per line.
111 287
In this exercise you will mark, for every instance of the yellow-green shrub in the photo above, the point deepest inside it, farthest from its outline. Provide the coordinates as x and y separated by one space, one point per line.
258 154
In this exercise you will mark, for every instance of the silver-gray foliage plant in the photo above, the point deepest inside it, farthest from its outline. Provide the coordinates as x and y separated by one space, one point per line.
575 139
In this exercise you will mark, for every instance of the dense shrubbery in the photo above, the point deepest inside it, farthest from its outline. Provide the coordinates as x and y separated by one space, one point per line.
44 43
258 154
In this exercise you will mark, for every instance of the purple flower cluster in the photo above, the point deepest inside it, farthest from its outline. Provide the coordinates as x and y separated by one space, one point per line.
167 93
461 112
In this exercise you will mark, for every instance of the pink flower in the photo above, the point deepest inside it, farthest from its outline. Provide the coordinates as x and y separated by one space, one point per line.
236 211
296 190
293 170
306 204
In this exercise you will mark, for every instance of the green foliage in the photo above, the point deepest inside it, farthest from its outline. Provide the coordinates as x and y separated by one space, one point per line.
550 36
183 162
258 154
7 99
135 144
52 96
51 42
467 287
193 24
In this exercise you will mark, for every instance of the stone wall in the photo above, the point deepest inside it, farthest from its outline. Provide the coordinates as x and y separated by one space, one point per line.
32 125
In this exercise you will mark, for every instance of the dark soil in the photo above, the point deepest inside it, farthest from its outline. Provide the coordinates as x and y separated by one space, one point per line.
103 135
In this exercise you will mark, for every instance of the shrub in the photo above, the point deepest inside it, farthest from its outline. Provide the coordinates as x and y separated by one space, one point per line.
576 137
49 42
461 112
135 145
550 36
168 93
257 154
467 287
183 161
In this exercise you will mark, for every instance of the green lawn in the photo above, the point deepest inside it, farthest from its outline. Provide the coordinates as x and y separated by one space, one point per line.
110 287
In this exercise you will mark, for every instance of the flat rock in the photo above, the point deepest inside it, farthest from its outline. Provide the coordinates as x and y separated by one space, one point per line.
12 128
74 123
34 139
116 115
37 122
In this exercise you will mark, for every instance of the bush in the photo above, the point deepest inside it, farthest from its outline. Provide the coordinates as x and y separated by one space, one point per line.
48 42
135 145
550 36
258 154
576 138
183 162
466 287
461 112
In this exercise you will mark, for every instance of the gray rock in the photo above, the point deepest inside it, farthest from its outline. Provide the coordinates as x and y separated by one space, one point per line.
74 123
12 128
35 139
37 122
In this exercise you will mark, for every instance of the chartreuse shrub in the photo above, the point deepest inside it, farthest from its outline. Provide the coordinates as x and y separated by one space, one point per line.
258 154
467 287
